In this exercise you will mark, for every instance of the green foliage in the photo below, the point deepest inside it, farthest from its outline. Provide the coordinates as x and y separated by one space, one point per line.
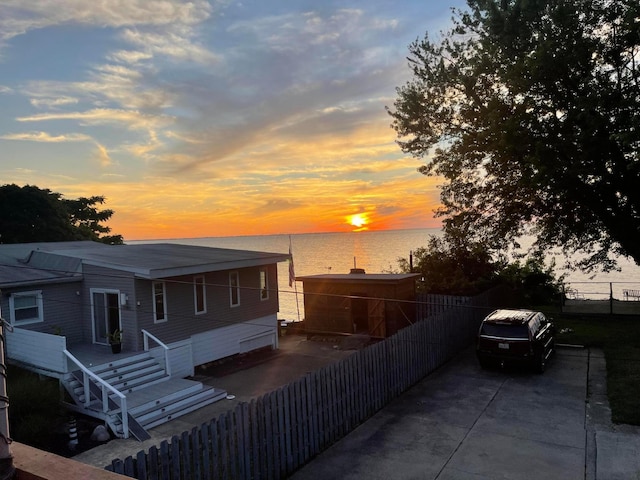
530 112
34 407
115 336
453 265
532 281
31 214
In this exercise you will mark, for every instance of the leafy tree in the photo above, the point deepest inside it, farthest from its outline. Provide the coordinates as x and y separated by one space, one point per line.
532 281
452 265
530 112
31 214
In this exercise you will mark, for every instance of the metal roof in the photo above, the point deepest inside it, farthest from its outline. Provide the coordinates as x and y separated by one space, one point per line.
152 261
15 271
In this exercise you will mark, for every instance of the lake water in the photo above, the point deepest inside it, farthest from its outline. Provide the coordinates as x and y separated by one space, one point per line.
375 252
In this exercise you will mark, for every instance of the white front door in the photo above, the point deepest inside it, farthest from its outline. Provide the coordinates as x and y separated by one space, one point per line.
105 309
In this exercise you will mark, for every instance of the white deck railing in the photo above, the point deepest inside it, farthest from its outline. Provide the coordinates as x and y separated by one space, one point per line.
87 376
146 336
40 350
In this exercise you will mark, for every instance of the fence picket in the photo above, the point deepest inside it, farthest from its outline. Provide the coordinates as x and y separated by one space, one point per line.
224 450
281 460
299 427
152 462
216 460
260 455
269 437
287 427
185 447
164 460
141 466
205 445
312 414
276 435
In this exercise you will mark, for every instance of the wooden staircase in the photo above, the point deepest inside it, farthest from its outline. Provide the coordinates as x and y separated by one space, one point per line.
152 396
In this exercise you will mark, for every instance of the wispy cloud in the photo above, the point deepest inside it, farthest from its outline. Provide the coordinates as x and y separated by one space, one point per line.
17 17
102 156
46 137
102 116
52 102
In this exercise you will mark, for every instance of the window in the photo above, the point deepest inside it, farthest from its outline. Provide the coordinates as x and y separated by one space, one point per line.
199 294
234 288
26 307
264 285
159 303
504 330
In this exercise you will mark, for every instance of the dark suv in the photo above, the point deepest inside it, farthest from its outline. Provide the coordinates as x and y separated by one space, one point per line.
515 336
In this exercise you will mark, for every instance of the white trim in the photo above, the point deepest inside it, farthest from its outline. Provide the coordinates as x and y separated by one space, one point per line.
196 286
264 289
164 301
93 317
236 287
39 305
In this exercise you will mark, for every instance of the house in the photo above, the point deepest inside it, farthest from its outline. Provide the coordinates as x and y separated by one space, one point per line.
374 304
176 306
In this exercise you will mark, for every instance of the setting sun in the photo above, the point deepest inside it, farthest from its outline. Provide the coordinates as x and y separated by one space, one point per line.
358 220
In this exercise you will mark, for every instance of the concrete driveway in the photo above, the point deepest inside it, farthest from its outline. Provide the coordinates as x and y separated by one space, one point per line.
466 423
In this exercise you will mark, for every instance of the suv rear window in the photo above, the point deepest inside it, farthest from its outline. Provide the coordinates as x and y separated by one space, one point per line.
504 331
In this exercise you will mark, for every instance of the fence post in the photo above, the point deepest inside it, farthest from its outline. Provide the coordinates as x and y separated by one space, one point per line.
610 298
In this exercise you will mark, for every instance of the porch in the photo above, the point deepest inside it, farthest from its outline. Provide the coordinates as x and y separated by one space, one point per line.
129 391
93 354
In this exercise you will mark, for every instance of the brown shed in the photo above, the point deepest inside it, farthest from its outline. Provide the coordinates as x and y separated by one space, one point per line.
377 304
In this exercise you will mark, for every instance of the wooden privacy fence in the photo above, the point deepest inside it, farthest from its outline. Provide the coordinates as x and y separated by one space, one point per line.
429 304
275 434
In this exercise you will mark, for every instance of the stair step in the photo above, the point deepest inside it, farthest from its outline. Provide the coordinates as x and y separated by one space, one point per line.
153 398
120 363
126 369
149 398
135 377
129 386
140 382
189 404
114 378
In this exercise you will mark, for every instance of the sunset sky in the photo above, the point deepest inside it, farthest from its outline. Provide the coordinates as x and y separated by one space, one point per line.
216 118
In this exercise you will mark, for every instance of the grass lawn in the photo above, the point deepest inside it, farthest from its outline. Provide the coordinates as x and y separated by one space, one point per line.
34 409
619 337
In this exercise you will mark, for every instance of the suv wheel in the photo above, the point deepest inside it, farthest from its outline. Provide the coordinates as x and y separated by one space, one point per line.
484 363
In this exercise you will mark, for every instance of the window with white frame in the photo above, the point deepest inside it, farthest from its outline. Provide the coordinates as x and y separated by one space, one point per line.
264 284
199 294
159 302
26 307
234 288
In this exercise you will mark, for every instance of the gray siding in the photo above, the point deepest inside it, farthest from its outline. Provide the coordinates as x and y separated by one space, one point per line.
61 306
182 321
106 278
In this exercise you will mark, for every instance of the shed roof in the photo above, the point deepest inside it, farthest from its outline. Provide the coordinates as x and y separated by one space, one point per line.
58 261
359 277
